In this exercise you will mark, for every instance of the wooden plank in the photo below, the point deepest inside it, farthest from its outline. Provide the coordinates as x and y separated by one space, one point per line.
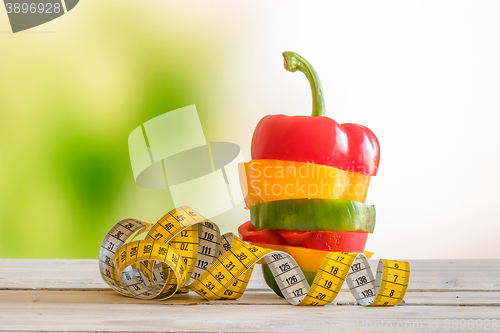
86 314
69 295
50 274
249 298
465 275
428 275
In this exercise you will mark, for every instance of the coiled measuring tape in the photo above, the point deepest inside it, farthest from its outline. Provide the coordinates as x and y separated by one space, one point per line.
186 251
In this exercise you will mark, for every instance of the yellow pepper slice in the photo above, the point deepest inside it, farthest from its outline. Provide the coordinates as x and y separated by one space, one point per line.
307 259
272 180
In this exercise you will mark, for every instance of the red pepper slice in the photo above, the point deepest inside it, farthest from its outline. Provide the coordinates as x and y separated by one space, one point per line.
317 139
333 241
265 236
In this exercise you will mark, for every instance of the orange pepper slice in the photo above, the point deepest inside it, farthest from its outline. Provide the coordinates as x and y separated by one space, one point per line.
307 259
272 180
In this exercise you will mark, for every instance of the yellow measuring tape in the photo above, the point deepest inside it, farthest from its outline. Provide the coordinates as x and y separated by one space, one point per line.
186 251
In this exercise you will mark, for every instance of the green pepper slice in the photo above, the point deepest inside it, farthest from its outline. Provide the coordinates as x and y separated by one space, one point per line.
313 214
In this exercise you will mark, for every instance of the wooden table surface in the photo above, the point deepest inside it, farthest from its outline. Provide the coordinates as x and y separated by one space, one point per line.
69 295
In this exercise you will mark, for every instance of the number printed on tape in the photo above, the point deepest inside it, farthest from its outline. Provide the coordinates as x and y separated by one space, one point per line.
185 251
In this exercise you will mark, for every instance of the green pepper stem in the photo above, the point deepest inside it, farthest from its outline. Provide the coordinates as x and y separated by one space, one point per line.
294 62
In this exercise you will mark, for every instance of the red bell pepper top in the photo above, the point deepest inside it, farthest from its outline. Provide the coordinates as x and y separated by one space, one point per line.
317 139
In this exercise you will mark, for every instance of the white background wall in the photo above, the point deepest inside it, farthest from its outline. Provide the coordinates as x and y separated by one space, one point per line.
424 76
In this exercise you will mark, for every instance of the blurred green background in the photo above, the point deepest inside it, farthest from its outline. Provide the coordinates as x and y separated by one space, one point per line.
422 75
71 92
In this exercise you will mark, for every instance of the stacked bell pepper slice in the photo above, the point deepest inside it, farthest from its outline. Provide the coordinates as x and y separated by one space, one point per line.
307 182
272 180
